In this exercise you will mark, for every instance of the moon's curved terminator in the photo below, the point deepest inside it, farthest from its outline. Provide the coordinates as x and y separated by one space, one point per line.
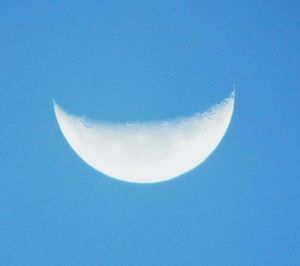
147 152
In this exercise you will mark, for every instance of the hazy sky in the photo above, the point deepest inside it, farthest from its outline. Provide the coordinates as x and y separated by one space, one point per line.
141 61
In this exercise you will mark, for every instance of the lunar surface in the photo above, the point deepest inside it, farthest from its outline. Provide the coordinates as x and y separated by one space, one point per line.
147 152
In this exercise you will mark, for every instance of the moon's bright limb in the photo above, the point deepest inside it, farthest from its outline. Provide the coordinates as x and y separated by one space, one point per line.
147 152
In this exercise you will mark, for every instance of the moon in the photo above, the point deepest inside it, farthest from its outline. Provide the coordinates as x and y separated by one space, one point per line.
147 152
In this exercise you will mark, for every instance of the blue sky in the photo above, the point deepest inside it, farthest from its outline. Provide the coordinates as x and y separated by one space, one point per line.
150 60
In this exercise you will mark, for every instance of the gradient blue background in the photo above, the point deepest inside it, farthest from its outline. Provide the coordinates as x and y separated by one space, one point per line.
150 60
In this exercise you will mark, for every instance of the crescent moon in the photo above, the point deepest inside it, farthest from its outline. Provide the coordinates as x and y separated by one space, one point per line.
147 152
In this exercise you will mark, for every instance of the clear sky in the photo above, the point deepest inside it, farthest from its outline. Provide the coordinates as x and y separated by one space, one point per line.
150 60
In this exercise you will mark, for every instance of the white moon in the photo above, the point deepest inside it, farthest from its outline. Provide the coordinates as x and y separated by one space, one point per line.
147 152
